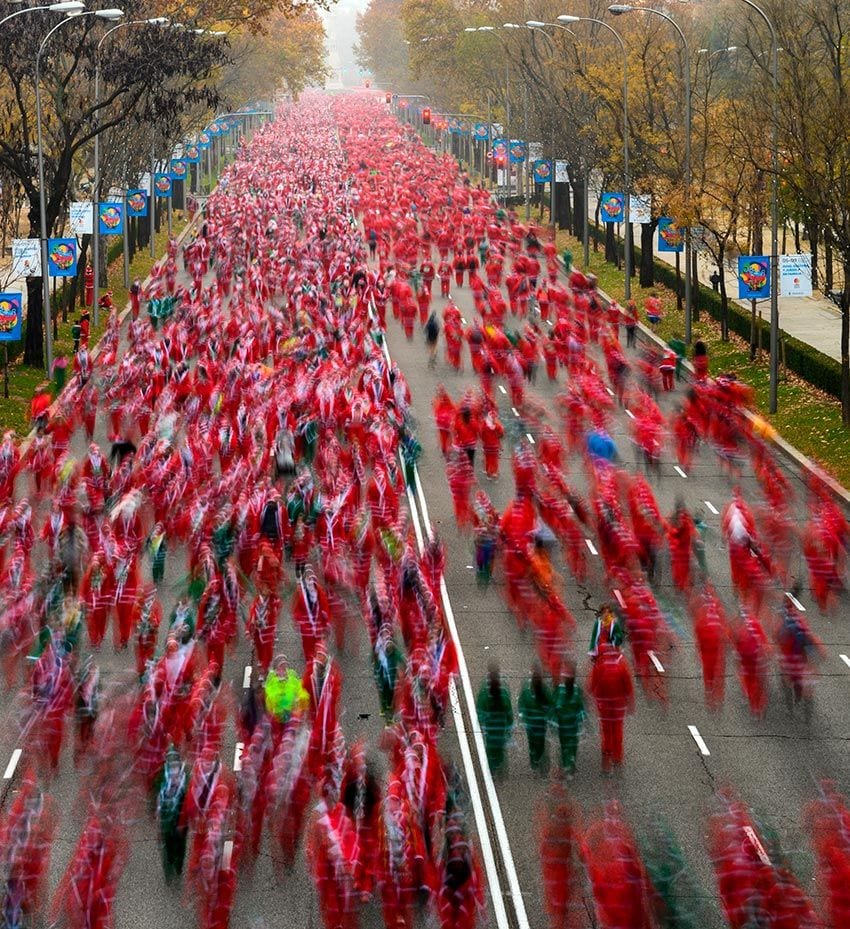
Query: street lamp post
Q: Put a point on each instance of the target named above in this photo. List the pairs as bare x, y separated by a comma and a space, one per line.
774, 212
156, 21
618, 9
537, 25
47, 312
566, 18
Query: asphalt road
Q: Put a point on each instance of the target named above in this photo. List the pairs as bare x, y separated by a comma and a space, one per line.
775, 763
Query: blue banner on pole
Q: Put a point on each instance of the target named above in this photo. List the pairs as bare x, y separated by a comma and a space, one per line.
500, 148
753, 277
204, 140
178, 169
482, 131
162, 184
671, 236
517, 151
612, 207
542, 171
137, 203
10, 317
62, 257
110, 218
192, 152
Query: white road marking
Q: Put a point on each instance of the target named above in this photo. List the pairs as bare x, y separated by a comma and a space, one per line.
227, 855
9, 773
470, 567
679, 471
246, 677
795, 601
514, 890
591, 546
611, 392
630, 414
237, 756
493, 879
845, 659
514, 411
463, 320
530, 437
502, 388
620, 599
712, 508
658, 666
750, 833
699, 740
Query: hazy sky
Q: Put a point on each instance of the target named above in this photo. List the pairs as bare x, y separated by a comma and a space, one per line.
340, 24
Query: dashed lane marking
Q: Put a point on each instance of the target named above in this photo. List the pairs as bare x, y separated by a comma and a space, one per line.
9, 773
699, 740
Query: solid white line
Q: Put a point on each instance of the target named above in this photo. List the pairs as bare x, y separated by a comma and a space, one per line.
630, 414
611, 392
845, 659
246, 677
658, 666
591, 546
795, 601
514, 410
679, 471
472, 784
530, 437
699, 740
13, 763
620, 599
749, 832
237, 756
227, 855
712, 508
502, 388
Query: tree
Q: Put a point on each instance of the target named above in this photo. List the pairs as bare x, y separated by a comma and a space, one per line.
149, 76
381, 49
293, 49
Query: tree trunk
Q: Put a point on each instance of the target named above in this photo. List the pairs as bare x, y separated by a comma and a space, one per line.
813, 243
724, 298
695, 289
34, 331
578, 208
611, 251
678, 282
647, 263
827, 257
596, 226
845, 345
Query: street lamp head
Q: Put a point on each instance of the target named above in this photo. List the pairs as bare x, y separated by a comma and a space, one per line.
567, 18
470, 29
157, 21
534, 24
511, 26
486, 29
111, 15
67, 6
617, 9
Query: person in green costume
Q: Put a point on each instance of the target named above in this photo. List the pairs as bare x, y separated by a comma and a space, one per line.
171, 794
496, 717
283, 691
535, 708
568, 715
